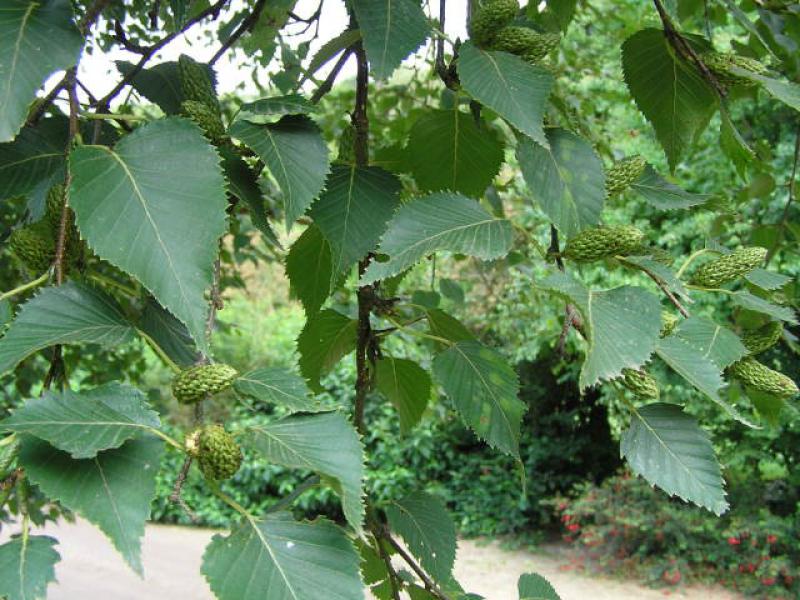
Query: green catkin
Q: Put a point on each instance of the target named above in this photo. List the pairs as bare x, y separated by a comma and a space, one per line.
729, 267
623, 173
760, 377
601, 242
641, 383
217, 453
758, 340
487, 22
722, 65
195, 383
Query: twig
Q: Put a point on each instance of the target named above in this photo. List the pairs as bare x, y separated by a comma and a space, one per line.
430, 585
393, 577
447, 74
571, 315
661, 284
327, 85
246, 25
685, 49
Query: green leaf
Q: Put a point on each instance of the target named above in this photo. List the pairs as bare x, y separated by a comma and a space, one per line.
662, 272
662, 194
442, 221
669, 91
85, 423
751, 302
291, 104
28, 566
446, 326
243, 183
514, 89
36, 39
277, 385
161, 84
406, 385
733, 144
325, 443
668, 448
566, 178
296, 155
282, 559
785, 91
353, 210
112, 490
392, 29
309, 269
428, 531
326, 338
713, 341
533, 586
156, 213
767, 280
331, 48
36, 155
483, 388
449, 151
69, 314
169, 333
622, 325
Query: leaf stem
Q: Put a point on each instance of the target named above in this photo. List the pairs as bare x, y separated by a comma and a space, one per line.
159, 351
112, 117
102, 279
214, 486
299, 490
26, 286
167, 438
705, 289
690, 260
420, 334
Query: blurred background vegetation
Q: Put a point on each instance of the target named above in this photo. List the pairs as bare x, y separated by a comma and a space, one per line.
574, 485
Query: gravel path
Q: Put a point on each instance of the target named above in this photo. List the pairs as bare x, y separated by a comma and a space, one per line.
91, 570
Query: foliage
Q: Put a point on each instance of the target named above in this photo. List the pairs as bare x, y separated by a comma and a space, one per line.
625, 527
174, 211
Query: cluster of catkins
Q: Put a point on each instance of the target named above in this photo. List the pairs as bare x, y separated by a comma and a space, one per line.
491, 28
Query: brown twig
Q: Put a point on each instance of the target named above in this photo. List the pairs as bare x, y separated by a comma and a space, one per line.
327, 85
448, 75
246, 25
430, 584
176, 496
387, 560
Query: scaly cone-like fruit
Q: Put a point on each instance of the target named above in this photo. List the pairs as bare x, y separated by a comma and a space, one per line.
758, 340
54, 205
193, 384
525, 42
34, 246
206, 118
347, 145
196, 83
217, 453
729, 267
490, 19
601, 242
641, 383
722, 65
624, 172
668, 323
760, 377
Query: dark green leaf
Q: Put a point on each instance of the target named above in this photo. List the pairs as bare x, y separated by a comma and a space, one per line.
662, 194
667, 447
309, 269
442, 221
161, 84
767, 280
566, 178
449, 151
713, 341
331, 48
447, 326
407, 385
514, 89
169, 333
277, 385
85, 423
164, 216
326, 338
532, 586
662, 272
292, 104
483, 388
751, 302
36, 155
112, 490
28, 567
69, 314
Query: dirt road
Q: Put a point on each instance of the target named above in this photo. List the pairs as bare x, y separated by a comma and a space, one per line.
90, 569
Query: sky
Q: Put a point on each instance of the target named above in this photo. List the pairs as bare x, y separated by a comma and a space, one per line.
99, 73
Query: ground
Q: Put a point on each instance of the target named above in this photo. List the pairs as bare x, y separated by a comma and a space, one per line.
91, 569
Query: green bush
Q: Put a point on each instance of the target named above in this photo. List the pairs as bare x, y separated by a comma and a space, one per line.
625, 527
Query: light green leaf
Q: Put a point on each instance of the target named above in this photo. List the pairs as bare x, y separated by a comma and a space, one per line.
392, 29
353, 210
309, 269
669, 91
35, 156
277, 385
156, 213
566, 179
668, 448
428, 531
282, 559
169, 333
533, 586
326, 338
483, 388
622, 325
442, 221
36, 40
449, 151
296, 155
112, 490
85, 423
752, 302
69, 314
767, 280
713, 341
511, 87
406, 385
28, 567
664, 195
324, 443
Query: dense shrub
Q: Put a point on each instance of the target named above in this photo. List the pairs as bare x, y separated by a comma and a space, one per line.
625, 527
